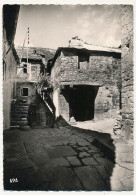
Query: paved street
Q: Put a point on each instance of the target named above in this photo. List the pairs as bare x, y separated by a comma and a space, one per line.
103, 125
62, 158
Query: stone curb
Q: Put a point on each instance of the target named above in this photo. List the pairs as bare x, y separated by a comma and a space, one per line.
109, 151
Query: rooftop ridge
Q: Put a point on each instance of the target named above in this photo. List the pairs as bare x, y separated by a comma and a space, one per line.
101, 45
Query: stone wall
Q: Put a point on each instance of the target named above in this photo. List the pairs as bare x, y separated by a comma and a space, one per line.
31, 92
33, 71
104, 70
107, 102
9, 85
38, 112
127, 69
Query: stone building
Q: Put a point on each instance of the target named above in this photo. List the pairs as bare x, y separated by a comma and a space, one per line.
28, 73
127, 70
10, 60
30, 108
86, 81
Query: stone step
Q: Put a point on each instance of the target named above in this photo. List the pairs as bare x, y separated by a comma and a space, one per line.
19, 114
18, 107
24, 106
25, 128
37, 127
14, 117
14, 127
22, 123
22, 112
17, 120
22, 109
23, 115
23, 101
13, 112
13, 123
23, 119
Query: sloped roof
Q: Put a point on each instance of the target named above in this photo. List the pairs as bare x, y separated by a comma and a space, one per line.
35, 53
31, 53
10, 18
76, 42
101, 48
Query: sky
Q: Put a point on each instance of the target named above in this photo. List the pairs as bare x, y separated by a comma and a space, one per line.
52, 26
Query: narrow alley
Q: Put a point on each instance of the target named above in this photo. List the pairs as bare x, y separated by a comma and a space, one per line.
68, 97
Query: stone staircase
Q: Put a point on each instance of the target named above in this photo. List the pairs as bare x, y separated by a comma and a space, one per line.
19, 113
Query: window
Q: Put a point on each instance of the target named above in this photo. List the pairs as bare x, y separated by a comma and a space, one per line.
25, 68
25, 92
83, 62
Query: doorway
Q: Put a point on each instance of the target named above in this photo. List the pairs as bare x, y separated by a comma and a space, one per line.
81, 100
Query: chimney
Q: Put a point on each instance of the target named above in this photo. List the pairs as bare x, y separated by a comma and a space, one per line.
76, 42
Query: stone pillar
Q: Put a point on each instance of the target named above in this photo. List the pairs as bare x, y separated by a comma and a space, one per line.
127, 70
56, 101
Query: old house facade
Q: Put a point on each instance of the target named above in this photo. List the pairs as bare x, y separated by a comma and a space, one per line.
10, 60
30, 108
86, 81
28, 73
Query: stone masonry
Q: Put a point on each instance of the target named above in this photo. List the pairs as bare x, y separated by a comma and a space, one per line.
102, 69
107, 67
10, 60
127, 70
33, 71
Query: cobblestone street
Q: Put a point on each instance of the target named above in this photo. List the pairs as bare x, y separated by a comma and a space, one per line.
62, 158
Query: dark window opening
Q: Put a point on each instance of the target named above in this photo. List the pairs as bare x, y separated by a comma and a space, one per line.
127, 45
25, 92
83, 62
120, 102
34, 51
25, 68
4, 71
